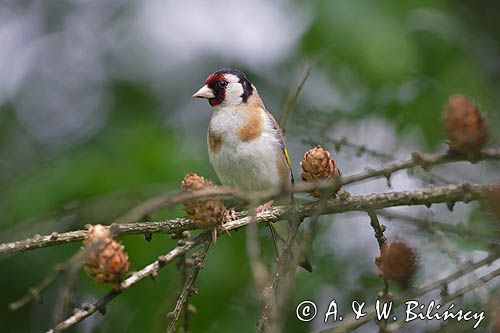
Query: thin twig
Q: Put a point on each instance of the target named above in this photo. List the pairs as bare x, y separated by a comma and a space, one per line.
350, 322
436, 228
377, 228
149, 270
455, 254
187, 289
182, 264
459, 229
477, 283
381, 239
259, 270
35, 292
304, 250
271, 312
359, 148
65, 294
294, 93
424, 161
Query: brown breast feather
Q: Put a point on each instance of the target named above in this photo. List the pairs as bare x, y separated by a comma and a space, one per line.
214, 141
254, 124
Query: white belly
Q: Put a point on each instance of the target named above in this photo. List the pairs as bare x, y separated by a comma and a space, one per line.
251, 165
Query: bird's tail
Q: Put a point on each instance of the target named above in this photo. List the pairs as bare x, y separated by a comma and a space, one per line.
279, 232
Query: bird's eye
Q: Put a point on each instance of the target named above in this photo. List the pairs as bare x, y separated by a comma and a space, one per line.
223, 84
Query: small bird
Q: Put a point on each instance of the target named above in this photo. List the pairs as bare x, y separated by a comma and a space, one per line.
245, 143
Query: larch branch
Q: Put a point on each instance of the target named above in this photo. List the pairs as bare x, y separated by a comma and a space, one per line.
432, 195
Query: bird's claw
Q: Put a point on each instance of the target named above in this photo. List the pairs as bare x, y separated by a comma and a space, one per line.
230, 215
262, 208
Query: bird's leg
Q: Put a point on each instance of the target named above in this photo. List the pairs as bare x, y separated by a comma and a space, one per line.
262, 208
230, 215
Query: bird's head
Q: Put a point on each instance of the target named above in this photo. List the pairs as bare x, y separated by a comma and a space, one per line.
226, 87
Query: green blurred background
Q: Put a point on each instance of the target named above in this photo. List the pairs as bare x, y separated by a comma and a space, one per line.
96, 115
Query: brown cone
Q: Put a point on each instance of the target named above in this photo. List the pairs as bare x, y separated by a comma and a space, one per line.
96, 233
317, 165
105, 259
466, 128
206, 213
398, 262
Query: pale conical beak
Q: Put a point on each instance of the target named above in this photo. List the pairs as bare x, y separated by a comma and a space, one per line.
204, 92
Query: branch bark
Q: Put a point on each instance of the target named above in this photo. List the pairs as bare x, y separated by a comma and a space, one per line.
432, 195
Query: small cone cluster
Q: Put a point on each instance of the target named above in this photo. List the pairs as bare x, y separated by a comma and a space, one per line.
318, 165
466, 128
398, 262
206, 213
105, 259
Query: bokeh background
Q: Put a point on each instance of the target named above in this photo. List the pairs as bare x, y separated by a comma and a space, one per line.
96, 115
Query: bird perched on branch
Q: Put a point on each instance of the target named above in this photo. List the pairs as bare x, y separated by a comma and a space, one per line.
245, 143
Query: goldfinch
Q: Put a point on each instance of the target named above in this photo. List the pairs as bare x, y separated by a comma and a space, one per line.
245, 143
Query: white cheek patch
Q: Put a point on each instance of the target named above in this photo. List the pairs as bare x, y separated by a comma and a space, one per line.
234, 90
231, 78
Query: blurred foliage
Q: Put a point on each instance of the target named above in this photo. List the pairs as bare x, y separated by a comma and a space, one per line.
405, 57
394, 60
